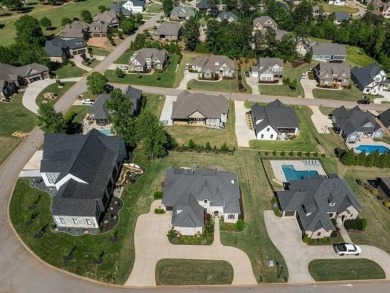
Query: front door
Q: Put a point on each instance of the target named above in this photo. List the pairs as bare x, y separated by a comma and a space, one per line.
216, 214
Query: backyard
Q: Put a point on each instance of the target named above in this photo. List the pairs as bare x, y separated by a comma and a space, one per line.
345, 269
333, 8
119, 256
169, 78
357, 57
193, 272
154, 104
202, 135
352, 94
54, 13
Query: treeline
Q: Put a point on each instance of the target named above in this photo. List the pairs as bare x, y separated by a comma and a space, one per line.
374, 159
143, 41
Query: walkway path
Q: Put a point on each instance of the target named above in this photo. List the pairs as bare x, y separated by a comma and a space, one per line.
78, 61
33, 90
243, 133
343, 232
151, 245
286, 236
321, 122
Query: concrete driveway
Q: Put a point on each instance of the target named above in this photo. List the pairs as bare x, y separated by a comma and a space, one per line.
286, 236
32, 91
151, 245
186, 78
386, 97
321, 122
253, 82
243, 133
166, 112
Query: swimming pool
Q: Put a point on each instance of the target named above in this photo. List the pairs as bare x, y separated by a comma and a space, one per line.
368, 149
291, 174
106, 131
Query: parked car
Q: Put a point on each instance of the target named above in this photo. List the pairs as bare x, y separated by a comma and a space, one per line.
88, 102
365, 100
347, 248
247, 74
123, 67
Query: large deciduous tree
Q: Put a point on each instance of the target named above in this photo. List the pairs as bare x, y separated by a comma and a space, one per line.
28, 31
191, 34
167, 6
12, 4
86, 16
49, 120
45, 22
96, 83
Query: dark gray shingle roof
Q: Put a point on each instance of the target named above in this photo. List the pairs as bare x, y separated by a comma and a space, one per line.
227, 15
187, 212
55, 47
365, 75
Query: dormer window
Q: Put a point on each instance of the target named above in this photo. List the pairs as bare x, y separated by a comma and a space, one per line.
205, 201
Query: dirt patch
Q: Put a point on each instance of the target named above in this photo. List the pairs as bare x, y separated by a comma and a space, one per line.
297, 64
100, 43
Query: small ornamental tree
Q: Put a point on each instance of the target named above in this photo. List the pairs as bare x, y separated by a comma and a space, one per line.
45, 22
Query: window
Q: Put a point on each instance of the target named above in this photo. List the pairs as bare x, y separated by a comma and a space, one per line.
205, 201
231, 216
272, 136
75, 221
62, 220
319, 234
268, 128
89, 222
262, 136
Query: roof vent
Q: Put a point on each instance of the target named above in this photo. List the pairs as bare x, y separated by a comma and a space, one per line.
233, 181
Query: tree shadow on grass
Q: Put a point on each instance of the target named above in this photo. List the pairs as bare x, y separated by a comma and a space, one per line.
52, 28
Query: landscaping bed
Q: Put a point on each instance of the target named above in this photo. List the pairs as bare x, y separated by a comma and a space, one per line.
345, 269
193, 272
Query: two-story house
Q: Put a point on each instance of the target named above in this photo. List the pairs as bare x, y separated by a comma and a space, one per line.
76, 30
354, 124
332, 74
274, 121
135, 6
108, 17
328, 52
200, 110
190, 194
268, 69
60, 50
146, 59
167, 31
213, 67
82, 171
370, 79
315, 201
180, 13
263, 23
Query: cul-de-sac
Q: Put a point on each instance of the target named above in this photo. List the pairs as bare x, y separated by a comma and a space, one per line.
195, 146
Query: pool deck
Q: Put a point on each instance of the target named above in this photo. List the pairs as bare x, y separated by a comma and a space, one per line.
299, 165
366, 141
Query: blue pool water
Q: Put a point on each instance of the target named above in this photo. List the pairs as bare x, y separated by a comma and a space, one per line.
291, 174
368, 149
105, 131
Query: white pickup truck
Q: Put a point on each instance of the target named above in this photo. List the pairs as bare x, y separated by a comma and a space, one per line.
347, 248
88, 102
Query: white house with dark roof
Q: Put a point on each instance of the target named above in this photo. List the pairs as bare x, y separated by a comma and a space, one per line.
213, 66
384, 117
146, 59
82, 169
328, 52
180, 13
315, 201
135, 6
370, 79
354, 124
340, 16
337, 2
189, 194
268, 69
200, 110
118, 8
274, 121
227, 15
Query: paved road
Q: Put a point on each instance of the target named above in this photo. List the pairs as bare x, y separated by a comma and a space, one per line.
150, 232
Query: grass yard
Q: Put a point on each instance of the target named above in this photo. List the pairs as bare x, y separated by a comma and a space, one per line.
352, 94
164, 79
202, 135
91, 63
119, 256
357, 56
333, 8
326, 110
154, 104
153, 8
225, 85
124, 58
345, 269
278, 90
193, 272
99, 51
53, 88
81, 111
69, 70
54, 13
304, 142
8, 144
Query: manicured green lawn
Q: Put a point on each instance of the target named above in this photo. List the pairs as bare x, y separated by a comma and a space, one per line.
357, 56
8, 144
91, 63
333, 8
153, 8
193, 272
154, 104
124, 58
99, 51
304, 142
226, 85
69, 70
163, 79
53, 88
352, 94
119, 256
54, 13
202, 135
326, 110
345, 269
278, 90
81, 111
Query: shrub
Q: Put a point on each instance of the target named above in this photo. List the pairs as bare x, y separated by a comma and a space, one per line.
274, 153
240, 225
307, 154
282, 153
158, 195
315, 154
291, 153
299, 154
224, 147
359, 181
266, 153
380, 197
374, 191
356, 224
159, 211
387, 204
333, 234
191, 144
306, 239
322, 155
